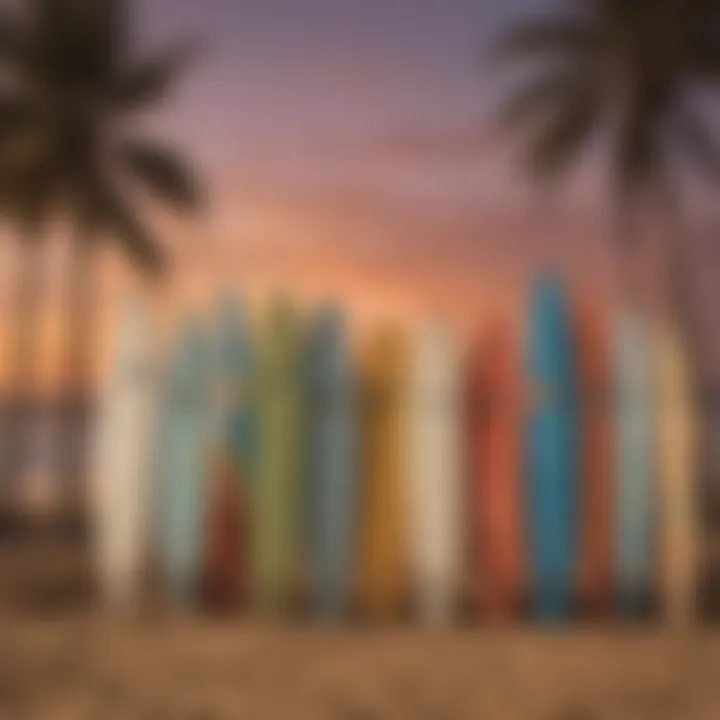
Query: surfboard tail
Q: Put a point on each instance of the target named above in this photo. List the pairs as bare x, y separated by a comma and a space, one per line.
552, 602
224, 542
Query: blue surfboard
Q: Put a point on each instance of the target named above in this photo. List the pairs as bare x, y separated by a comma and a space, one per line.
332, 463
552, 453
633, 547
183, 462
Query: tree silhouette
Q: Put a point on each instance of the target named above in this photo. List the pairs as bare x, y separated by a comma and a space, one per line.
632, 77
73, 75
628, 74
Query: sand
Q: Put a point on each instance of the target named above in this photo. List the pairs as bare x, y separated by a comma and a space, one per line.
62, 658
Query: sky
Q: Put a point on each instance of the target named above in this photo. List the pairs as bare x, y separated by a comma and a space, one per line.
348, 151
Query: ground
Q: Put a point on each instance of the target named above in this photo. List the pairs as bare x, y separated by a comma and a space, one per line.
64, 659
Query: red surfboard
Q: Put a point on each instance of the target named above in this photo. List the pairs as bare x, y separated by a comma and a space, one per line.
595, 568
494, 464
225, 546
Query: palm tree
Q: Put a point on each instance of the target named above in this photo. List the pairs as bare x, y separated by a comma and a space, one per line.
630, 76
71, 65
21, 201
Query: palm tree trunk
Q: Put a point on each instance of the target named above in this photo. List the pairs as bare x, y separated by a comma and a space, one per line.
19, 402
74, 408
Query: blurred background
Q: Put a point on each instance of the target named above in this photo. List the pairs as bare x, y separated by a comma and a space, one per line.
410, 158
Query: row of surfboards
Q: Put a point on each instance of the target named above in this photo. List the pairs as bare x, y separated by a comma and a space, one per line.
541, 476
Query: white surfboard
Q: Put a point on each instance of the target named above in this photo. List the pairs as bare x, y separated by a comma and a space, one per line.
434, 475
677, 448
123, 462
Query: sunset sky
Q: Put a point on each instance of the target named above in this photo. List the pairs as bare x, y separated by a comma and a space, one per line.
349, 148
348, 151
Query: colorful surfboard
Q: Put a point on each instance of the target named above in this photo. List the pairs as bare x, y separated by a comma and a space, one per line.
277, 508
331, 485
384, 541
124, 454
224, 536
226, 561
183, 461
237, 397
433, 490
595, 563
552, 453
634, 550
677, 453
495, 499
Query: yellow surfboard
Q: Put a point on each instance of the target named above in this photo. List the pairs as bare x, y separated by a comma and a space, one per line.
383, 561
677, 448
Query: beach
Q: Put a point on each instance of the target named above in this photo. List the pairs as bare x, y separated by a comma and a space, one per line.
63, 657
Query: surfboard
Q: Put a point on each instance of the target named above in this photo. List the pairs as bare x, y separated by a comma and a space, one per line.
224, 536
332, 464
226, 562
384, 539
552, 453
634, 549
678, 464
123, 463
183, 461
495, 498
433, 491
595, 563
237, 397
277, 509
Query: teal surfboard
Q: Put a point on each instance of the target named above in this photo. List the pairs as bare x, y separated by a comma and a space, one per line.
234, 401
230, 461
634, 552
330, 489
552, 453
276, 504
182, 462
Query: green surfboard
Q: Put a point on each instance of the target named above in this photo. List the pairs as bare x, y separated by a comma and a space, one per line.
277, 508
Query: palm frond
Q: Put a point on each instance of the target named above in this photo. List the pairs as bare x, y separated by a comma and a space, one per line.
545, 36
163, 171
702, 31
705, 60
150, 81
76, 44
637, 151
15, 115
28, 183
105, 37
55, 29
696, 142
11, 36
534, 100
117, 216
562, 136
